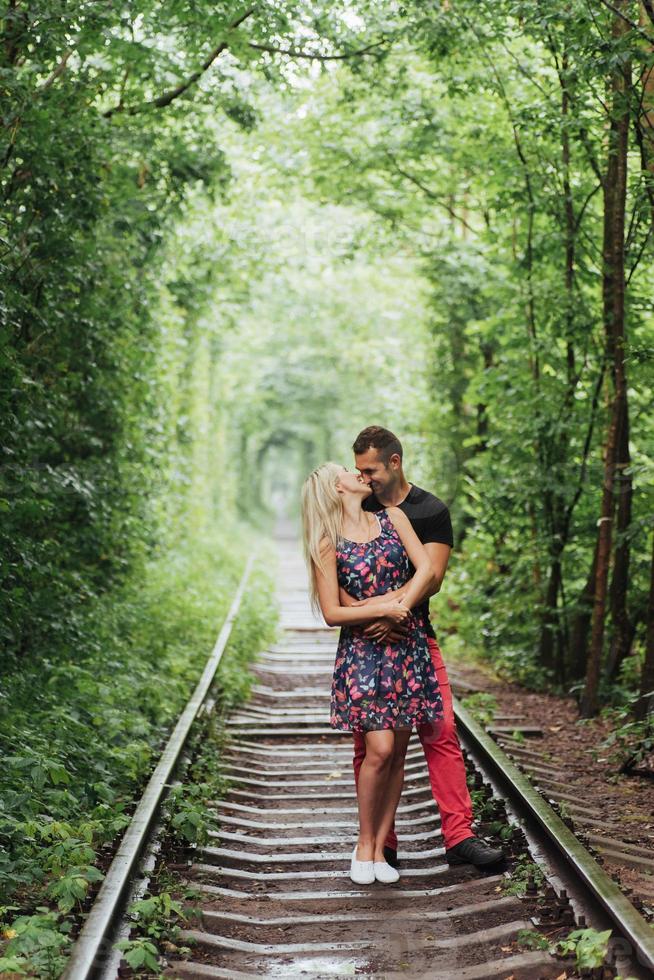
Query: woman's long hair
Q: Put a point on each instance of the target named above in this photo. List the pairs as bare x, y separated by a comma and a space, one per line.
322, 518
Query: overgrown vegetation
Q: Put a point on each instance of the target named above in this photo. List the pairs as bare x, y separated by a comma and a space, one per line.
588, 946
482, 706
485, 275
532, 220
523, 871
630, 743
93, 728
157, 919
189, 816
232, 238
531, 939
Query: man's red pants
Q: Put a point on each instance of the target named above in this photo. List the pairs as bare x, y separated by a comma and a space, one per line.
447, 773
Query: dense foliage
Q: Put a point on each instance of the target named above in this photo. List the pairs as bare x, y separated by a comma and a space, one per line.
232, 237
489, 140
81, 735
111, 119
511, 154
119, 547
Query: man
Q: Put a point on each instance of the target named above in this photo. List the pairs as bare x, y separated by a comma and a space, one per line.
378, 458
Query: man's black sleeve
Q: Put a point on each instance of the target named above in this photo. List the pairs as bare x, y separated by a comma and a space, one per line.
438, 527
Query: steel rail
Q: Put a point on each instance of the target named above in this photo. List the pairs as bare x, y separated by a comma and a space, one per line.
95, 935
519, 791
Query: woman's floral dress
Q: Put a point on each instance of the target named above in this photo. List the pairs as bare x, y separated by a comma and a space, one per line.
379, 685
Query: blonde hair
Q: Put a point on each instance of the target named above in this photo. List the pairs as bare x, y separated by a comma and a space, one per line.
322, 517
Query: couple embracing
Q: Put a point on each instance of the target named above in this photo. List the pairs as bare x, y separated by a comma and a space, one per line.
377, 548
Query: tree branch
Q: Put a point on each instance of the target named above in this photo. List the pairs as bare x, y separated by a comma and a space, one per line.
641, 252
644, 163
586, 450
582, 210
580, 130
166, 98
432, 195
592, 160
59, 70
627, 20
294, 53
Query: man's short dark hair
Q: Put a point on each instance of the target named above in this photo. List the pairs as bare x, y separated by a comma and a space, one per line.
383, 440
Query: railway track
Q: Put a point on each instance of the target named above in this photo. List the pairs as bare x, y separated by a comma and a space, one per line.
273, 882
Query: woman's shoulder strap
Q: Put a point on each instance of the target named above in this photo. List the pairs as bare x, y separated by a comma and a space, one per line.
384, 520
388, 522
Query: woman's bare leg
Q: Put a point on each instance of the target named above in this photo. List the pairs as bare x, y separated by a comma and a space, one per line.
372, 787
390, 799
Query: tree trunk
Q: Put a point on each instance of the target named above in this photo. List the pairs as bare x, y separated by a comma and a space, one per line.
623, 631
645, 121
551, 652
580, 625
482, 409
646, 701
558, 635
590, 696
613, 287
550, 648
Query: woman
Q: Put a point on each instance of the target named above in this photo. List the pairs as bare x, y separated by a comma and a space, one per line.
379, 688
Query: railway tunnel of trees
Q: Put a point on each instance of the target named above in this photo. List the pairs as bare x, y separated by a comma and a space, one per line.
234, 235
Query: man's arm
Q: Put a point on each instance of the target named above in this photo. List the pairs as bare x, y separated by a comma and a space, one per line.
439, 556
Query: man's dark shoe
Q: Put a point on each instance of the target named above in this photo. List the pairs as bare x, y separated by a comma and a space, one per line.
390, 853
472, 850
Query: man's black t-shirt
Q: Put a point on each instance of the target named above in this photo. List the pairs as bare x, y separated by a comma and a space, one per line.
430, 519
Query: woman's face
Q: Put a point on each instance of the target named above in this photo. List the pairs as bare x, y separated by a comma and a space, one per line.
348, 482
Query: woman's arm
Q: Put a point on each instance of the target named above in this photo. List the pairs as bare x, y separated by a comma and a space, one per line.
423, 579
337, 615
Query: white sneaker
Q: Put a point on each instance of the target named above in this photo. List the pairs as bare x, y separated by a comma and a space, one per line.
384, 872
361, 872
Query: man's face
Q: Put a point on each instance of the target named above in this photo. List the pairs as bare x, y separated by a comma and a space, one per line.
377, 474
